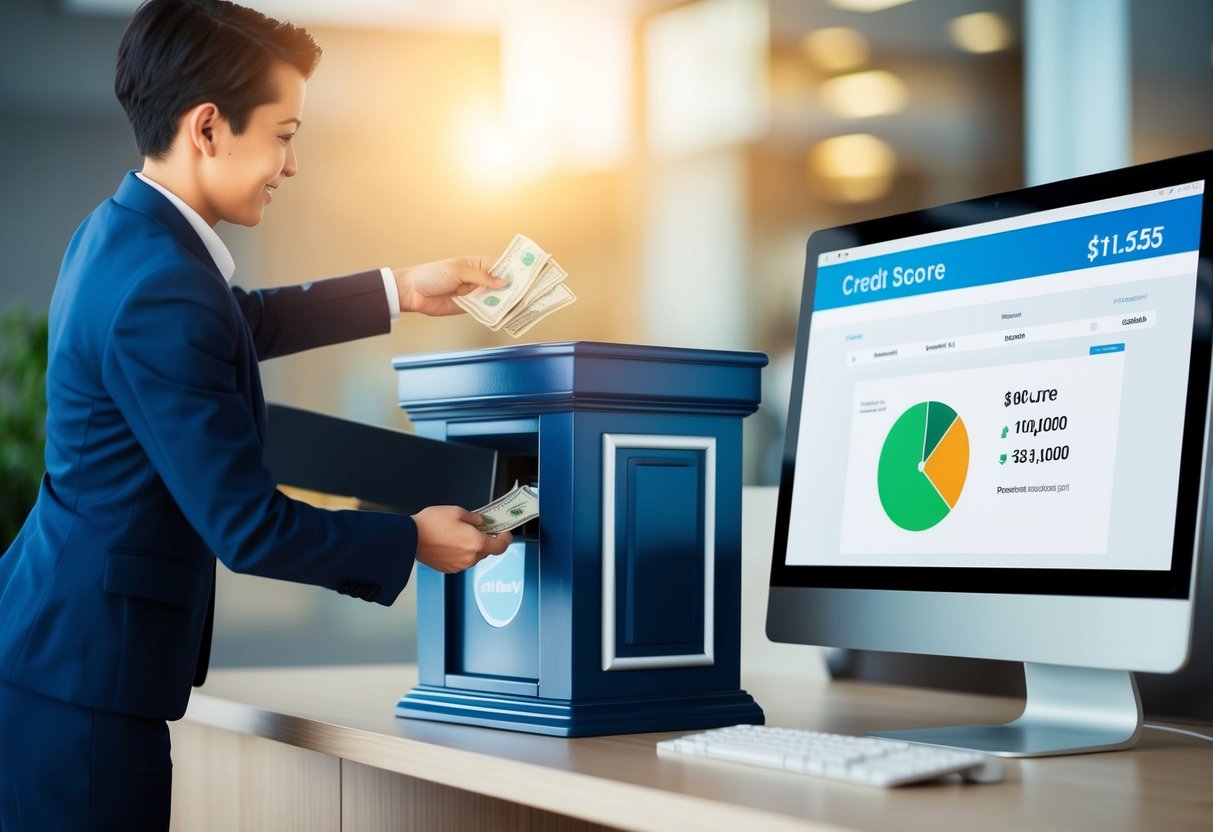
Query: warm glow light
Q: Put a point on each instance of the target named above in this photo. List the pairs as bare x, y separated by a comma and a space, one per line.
706, 75
854, 168
493, 155
836, 48
566, 71
864, 94
565, 101
866, 5
980, 32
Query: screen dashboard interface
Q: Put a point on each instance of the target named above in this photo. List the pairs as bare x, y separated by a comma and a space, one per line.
1009, 394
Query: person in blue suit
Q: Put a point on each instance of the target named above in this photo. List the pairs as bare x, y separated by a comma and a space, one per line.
155, 428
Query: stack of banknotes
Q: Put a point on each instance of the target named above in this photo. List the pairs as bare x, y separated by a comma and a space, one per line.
535, 289
520, 505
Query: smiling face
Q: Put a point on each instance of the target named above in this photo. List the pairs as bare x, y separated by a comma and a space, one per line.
239, 180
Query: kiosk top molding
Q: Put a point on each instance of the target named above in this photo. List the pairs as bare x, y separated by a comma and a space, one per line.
578, 375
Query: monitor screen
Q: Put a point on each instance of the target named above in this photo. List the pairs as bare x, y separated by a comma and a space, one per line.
997, 444
1006, 395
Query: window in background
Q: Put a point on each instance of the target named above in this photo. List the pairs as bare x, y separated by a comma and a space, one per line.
915, 104
873, 113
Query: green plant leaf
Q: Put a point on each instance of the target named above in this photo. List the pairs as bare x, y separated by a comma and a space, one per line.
23, 360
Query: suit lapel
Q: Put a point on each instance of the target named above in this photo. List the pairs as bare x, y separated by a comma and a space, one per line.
139, 196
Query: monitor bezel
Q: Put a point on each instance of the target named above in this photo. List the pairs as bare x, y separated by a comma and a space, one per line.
1173, 583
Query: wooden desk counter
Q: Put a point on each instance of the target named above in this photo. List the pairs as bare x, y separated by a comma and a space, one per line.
340, 759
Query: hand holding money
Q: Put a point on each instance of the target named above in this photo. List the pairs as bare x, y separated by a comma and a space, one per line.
449, 541
534, 289
509, 511
431, 288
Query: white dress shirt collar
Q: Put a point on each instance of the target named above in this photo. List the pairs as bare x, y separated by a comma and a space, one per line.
214, 245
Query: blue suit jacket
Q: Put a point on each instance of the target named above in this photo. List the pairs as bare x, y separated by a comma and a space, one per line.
155, 423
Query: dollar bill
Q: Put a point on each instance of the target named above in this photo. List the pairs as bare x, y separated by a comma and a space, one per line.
531, 295
510, 510
520, 265
557, 297
551, 274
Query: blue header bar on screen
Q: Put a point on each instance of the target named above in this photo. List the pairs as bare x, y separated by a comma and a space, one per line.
1154, 230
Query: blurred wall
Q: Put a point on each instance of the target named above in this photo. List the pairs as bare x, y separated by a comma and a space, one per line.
64, 141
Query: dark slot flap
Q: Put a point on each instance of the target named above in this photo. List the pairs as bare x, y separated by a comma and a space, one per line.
391, 468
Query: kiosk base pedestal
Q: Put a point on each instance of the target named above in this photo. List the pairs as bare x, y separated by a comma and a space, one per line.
562, 718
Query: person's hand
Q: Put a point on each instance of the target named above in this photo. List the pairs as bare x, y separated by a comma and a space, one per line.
448, 539
431, 287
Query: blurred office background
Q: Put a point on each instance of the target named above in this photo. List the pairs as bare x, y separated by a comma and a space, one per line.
675, 156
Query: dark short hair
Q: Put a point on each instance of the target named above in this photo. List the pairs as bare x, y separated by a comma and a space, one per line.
177, 54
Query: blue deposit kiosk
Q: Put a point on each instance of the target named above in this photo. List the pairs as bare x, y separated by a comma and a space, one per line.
618, 610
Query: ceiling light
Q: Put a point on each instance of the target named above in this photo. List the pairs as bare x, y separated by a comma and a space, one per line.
854, 168
864, 94
980, 32
836, 48
866, 5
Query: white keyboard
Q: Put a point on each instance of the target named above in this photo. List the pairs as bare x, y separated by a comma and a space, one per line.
872, 761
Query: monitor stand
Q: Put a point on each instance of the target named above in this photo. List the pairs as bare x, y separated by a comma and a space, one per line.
1069, 710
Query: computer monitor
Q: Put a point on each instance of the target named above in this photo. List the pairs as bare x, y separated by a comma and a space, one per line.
997, 444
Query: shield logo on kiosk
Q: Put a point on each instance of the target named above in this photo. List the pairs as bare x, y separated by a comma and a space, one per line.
498, 582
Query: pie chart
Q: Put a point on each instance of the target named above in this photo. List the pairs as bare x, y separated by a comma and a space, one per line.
923, 465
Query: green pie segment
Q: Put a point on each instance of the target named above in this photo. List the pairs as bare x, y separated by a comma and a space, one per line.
938, 419
907, 494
